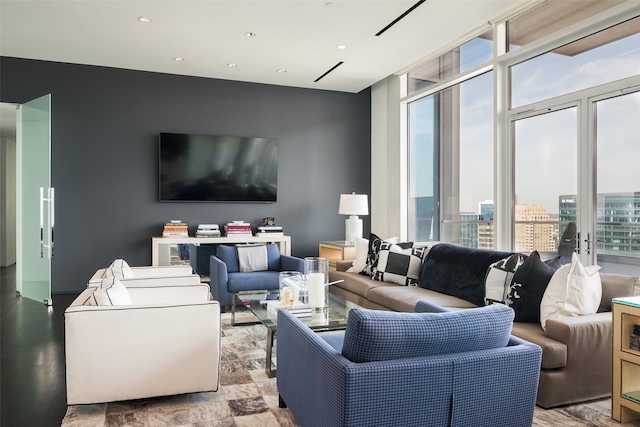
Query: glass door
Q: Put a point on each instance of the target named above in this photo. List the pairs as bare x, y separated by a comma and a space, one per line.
546, 187
35, 200
616, 241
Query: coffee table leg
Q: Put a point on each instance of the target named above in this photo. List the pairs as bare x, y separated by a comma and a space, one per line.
271, 335
233, 309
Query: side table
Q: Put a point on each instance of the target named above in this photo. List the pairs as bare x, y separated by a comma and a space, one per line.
337, 250
625, 396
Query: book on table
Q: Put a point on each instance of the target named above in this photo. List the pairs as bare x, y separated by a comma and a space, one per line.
298, 309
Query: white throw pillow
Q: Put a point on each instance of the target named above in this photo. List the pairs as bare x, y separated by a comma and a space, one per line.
574, 290
120, 269
362, 250
116, 294
111, 291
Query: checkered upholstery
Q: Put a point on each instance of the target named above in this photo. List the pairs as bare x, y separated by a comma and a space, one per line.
321, 387
374, 335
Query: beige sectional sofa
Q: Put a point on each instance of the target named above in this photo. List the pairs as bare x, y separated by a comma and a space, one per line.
576, 359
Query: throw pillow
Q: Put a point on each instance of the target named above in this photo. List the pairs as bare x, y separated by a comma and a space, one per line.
372, 253
574, 290
362, 251
527, 288
111, 291
398, 265
252, 258
120, 269
497, 282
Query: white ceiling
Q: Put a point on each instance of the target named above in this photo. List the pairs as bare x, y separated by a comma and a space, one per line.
300, 36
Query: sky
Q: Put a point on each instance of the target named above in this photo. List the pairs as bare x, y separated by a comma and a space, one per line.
547, 145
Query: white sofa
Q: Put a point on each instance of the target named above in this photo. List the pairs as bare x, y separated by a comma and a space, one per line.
166, 343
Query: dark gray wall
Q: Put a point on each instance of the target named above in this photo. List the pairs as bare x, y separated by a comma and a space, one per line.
105, 125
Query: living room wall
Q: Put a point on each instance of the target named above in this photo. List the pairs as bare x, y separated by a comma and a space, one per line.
105, 126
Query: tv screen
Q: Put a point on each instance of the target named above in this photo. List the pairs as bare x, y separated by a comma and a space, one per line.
211, 168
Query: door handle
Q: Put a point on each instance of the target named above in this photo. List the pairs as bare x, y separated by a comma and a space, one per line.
52, 209
41, 222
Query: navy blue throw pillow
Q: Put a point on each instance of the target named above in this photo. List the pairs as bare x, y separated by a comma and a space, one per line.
527, 288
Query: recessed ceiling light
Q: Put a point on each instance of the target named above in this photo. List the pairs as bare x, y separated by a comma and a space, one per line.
328, 4
250, 34
144, 19
232, 65
178, 59
282, 70
342, 46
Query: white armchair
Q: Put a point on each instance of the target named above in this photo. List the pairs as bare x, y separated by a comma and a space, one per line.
167, 342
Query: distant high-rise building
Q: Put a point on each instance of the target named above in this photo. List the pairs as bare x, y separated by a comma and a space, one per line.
618, 221
534, 229
469, 232
485, 228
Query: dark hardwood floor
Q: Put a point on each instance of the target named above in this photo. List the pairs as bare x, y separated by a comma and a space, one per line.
32, 357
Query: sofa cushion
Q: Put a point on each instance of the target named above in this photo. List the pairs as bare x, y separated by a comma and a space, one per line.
373, 335
355, 283
554, 353
498, 279
398, 265
527, 288
261, 280
405, 298
458, 271
574, 290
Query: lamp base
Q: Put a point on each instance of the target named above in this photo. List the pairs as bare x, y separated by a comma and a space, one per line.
353, 228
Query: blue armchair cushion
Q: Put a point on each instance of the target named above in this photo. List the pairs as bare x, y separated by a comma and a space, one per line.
229, 255
258, 280
373, 335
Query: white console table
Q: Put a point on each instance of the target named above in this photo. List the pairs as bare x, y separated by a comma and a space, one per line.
284, 244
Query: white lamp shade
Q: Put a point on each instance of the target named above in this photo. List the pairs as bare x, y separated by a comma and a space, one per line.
353, 204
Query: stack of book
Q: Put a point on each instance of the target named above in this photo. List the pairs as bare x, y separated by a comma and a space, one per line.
299, 309
238, 229
269, 230
175, 228
208, 230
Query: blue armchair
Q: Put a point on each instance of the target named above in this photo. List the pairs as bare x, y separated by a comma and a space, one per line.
431, 369
226, 277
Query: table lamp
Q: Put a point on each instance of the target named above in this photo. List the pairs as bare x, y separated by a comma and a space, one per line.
353, 205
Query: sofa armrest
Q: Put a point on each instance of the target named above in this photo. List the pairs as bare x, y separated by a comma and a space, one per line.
343, 265
588, 340
192, 279
290, 263
149, 272
424, 306
129, 352
219, 278
170, 294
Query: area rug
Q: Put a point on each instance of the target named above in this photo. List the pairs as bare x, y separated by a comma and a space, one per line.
248, 398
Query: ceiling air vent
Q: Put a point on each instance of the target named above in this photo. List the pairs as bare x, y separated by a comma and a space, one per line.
332, 68
395, 21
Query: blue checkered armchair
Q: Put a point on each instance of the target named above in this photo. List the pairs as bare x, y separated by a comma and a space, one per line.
429, 368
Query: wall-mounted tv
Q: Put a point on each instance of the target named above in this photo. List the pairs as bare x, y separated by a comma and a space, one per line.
212, 168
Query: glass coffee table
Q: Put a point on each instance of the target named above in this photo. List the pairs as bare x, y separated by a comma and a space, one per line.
334, 319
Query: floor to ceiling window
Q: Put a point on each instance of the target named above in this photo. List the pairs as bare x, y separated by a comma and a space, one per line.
569, 115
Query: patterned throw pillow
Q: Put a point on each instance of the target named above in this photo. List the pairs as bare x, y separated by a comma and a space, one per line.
398, 264
111, 291
372, 255
497, 282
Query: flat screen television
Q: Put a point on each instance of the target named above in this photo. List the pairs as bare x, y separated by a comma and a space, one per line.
213, 168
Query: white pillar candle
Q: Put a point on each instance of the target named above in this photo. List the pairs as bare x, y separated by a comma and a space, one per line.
316, 289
